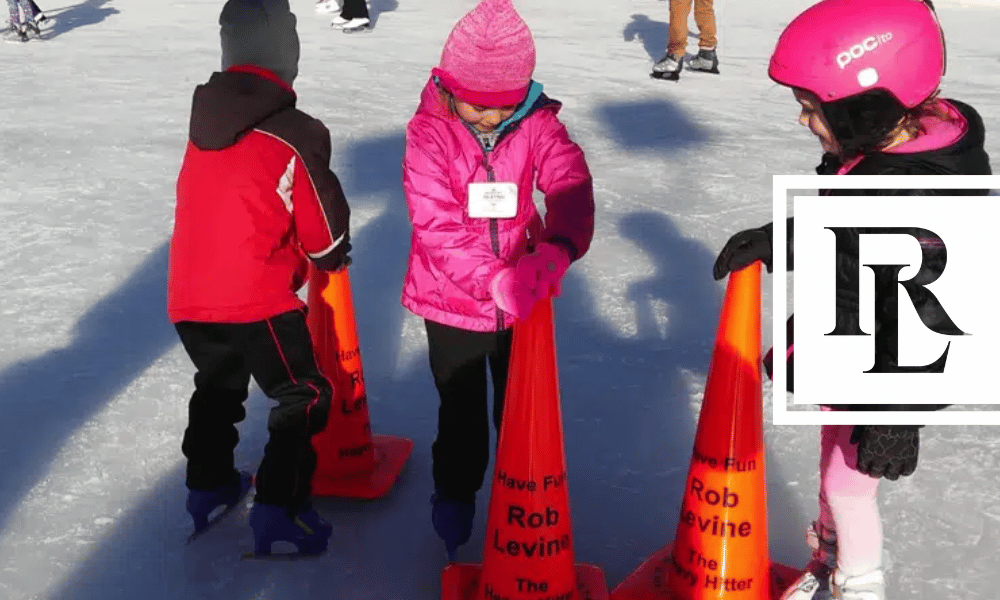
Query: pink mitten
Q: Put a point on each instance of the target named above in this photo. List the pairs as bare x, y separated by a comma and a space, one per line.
546, 266
511, 293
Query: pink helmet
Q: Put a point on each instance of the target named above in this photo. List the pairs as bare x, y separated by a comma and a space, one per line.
839, 48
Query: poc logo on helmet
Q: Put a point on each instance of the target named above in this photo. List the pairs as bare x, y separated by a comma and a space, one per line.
858, 50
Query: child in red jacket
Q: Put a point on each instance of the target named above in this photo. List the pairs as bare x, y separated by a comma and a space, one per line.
255, 200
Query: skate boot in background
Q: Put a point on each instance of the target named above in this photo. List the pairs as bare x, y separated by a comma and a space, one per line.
669, 67
452, 521
15, 33
356, 25
814, 583
201, 503
305, 529
706, 61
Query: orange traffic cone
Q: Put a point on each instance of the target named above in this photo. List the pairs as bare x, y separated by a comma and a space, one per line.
351, 462
720, 548
528, 551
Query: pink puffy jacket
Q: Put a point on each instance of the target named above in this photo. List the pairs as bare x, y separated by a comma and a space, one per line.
454, 257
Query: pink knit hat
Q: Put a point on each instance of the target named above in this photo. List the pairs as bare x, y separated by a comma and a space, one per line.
489, 56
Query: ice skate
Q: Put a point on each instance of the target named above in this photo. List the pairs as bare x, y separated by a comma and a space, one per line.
306, 530
669, 68
870, 586
201, 503
814, 583
16, 33
706, 61
452, 521
338, 22
357, 25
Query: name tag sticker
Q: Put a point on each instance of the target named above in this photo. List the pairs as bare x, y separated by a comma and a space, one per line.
492, 200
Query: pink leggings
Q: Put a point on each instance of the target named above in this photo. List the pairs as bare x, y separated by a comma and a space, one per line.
847, 503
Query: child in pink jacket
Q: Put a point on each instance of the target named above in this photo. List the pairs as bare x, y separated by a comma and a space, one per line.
874, 113
483, 138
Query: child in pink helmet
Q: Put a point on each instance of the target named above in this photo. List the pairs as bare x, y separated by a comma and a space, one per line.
483, 138
866, 74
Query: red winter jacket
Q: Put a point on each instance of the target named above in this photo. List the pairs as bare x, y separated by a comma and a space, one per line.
255, 198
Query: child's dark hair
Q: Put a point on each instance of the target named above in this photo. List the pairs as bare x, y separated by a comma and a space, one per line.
871, 121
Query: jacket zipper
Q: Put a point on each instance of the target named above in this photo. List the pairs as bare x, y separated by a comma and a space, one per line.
494, 228
494, 224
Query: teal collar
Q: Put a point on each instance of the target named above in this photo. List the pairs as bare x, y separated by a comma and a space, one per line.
534, 91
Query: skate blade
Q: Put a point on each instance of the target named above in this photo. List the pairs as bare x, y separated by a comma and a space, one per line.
716, 71
197, 534
280, 556
667, 76
212, 523
362, 29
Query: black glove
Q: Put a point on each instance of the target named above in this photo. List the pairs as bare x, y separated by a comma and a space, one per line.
887, 450
346, 262
742, 249
336, 260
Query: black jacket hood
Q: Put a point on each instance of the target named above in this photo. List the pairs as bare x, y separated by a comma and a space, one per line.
231, 104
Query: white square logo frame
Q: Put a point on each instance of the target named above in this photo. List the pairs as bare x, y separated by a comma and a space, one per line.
830, 369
